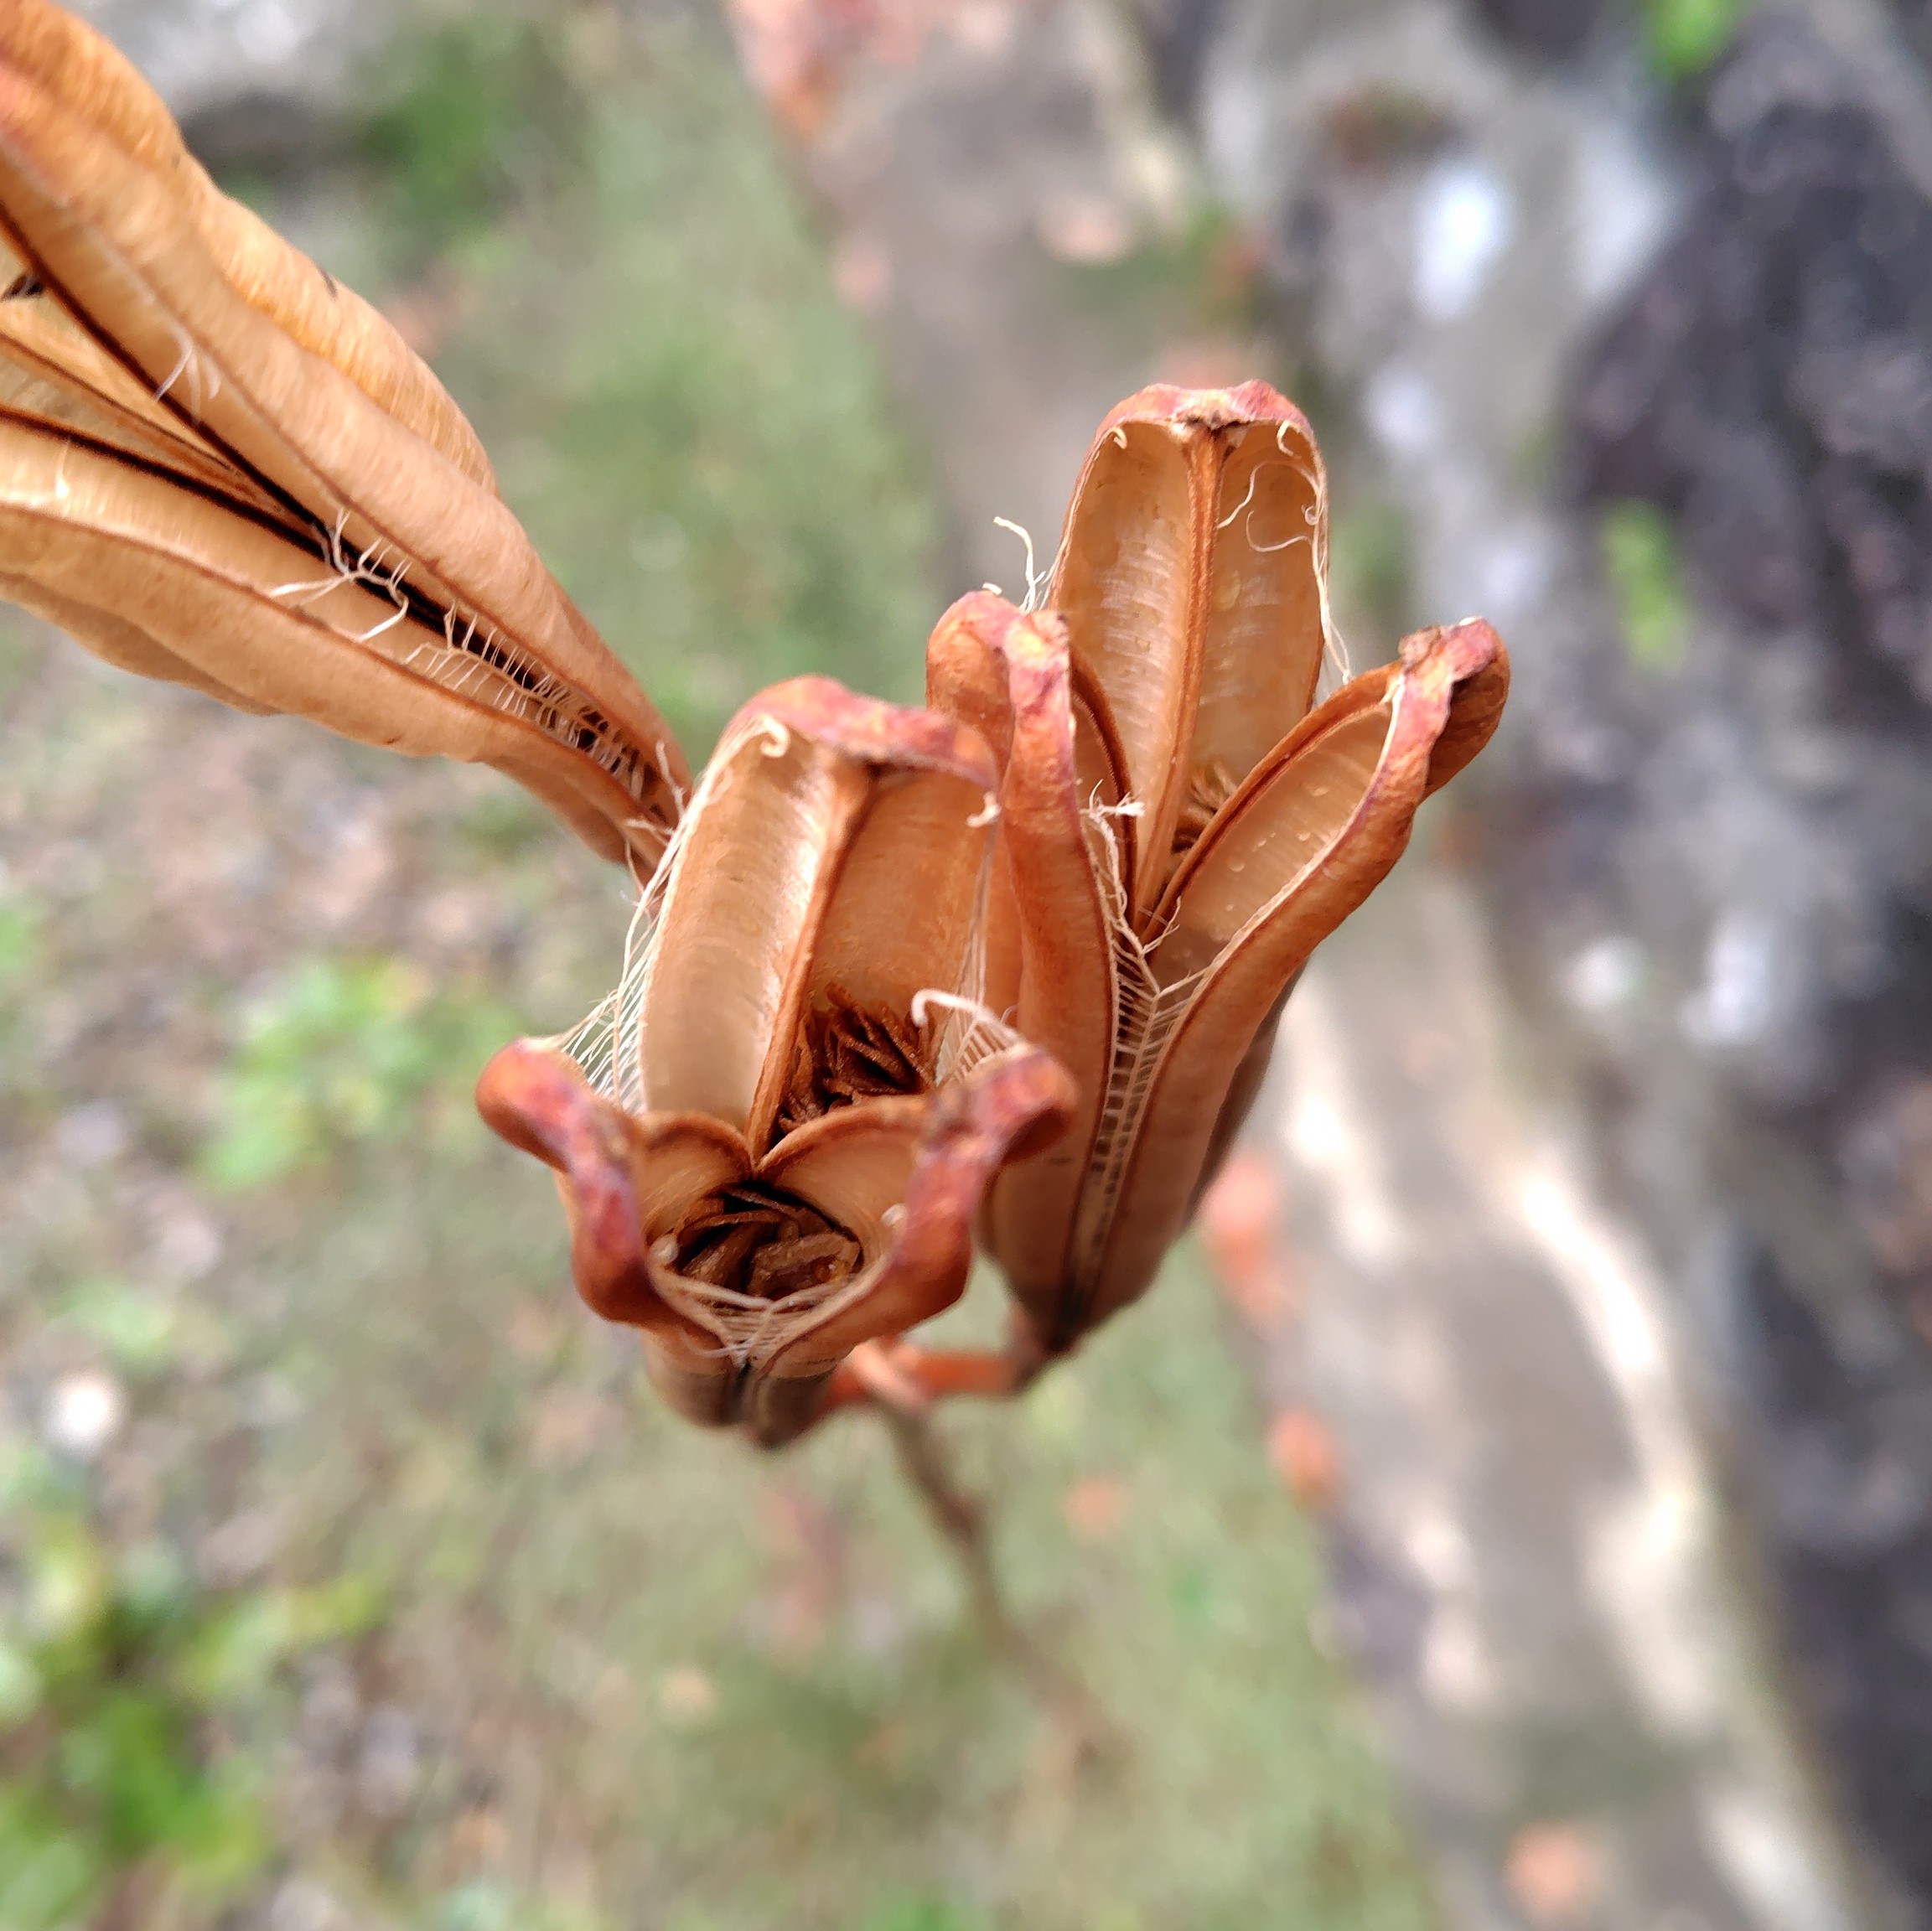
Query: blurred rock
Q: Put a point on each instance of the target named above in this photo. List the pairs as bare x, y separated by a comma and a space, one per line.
1887, 1155
302, 1904
1549, 27
227, 61
85, 1411
388, 1765
91, 1135
1768, 386
242, 1546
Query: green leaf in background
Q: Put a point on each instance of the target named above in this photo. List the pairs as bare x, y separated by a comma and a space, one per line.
67, 1583
131, 1759
472, 111
920, 1914
19, 936
129, 1756
109, 1675
20, 1687
1641, 564
339, 1051
483, 1905
480, 1906
1683, 37
136, 1329
239, 1649
220, 1839
49, 1872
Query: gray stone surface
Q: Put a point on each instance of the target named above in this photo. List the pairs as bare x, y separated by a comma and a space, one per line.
1525, 1471
201, 55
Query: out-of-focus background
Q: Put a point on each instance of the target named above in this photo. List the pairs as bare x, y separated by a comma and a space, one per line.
1516, 1511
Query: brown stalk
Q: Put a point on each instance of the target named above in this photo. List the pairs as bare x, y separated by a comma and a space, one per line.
960, 1519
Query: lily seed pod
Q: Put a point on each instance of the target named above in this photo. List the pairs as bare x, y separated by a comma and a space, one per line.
1013, 961
775, 1139
1180, 826
220, 467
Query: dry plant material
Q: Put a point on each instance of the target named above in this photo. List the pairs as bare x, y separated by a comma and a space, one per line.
847, 1053
774, 1140
220, 467
1181, 825
1122, 827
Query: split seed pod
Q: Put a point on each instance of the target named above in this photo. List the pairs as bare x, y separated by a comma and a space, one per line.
1179, 827
220, 467
773, 1140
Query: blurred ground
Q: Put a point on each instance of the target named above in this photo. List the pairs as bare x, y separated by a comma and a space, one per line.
347, 1576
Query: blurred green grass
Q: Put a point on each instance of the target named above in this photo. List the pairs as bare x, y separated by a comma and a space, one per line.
753, 1675
339, 1050
649, 1677
648, 341
1646, 576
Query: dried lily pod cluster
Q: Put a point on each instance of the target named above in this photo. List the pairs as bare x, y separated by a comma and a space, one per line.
1006, 968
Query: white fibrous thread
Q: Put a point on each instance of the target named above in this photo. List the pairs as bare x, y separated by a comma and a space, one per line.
1148, 1013
474, 661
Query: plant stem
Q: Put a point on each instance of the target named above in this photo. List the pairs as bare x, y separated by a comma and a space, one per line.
958, 1517
960, 1521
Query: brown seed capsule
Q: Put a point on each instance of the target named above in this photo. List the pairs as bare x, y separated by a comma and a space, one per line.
793, 1104
220, 467
1179, 829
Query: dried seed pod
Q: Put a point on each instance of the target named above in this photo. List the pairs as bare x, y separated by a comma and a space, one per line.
1180, 830
1192, 580
774, 1140
218, 466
